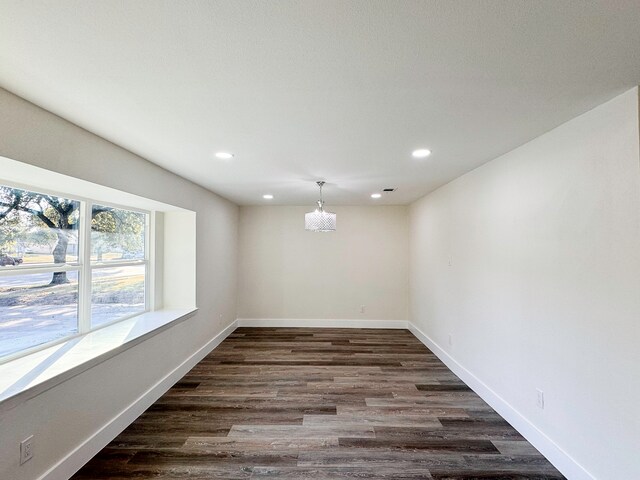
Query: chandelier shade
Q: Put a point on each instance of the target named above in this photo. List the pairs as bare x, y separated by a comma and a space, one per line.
320, 220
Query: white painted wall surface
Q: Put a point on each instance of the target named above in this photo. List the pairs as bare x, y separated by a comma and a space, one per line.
287, 272
64, 417
543, 290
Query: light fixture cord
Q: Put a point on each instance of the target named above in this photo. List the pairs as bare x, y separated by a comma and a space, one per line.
321, 201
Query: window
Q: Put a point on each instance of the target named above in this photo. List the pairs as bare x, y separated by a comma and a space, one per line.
67, 266
118, 263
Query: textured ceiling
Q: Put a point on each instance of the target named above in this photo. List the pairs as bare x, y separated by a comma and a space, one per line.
306, 90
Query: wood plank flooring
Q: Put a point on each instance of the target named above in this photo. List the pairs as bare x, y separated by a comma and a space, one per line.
301, 403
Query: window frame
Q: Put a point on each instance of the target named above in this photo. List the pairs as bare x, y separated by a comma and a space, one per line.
84, 266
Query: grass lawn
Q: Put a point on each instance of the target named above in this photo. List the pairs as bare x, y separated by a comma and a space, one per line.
36, 313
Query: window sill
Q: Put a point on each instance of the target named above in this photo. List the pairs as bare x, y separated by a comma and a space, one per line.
28, 376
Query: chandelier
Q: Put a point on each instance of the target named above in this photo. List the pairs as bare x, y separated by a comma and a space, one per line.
319, 220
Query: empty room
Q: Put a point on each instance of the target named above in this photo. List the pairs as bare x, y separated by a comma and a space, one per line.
320, 239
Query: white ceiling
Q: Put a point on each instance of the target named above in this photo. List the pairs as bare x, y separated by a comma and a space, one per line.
327, 89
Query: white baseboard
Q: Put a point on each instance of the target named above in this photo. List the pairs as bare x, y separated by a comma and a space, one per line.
66, 467
320, 323
558, 457
70, 464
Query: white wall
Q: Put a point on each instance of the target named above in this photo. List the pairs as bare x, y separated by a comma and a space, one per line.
543, 290
287, 272
65, 416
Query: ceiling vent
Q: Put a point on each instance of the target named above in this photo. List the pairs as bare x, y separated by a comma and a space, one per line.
389, 190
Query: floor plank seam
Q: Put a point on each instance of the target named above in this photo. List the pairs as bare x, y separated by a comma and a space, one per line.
324, 404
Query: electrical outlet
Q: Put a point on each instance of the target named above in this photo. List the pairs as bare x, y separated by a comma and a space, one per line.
540, 398
26, 449
362, 308
450, 260
450, 340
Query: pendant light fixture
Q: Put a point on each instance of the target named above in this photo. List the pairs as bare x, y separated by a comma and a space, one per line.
319, 220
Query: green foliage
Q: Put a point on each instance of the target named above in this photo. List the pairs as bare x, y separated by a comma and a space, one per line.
31, 218
39, 236
46, 210
69, 222
118, 230
38, 219
10, 231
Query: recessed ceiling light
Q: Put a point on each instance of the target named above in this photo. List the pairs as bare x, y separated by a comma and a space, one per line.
421, 153
376, 195
267, 196
224, 155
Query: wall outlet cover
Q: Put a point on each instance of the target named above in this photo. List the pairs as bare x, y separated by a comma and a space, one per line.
26, 449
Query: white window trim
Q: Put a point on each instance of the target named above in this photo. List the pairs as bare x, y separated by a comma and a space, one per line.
33, 373
30, 375
84, 320
84, 267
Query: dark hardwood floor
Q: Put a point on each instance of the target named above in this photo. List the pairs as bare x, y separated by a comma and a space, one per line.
301, 403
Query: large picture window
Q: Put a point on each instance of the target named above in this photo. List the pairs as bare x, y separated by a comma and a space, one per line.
67, 266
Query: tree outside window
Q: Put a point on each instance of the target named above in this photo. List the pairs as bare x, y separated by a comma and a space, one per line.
41, 268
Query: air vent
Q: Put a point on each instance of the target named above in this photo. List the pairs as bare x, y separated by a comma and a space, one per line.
389, 190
